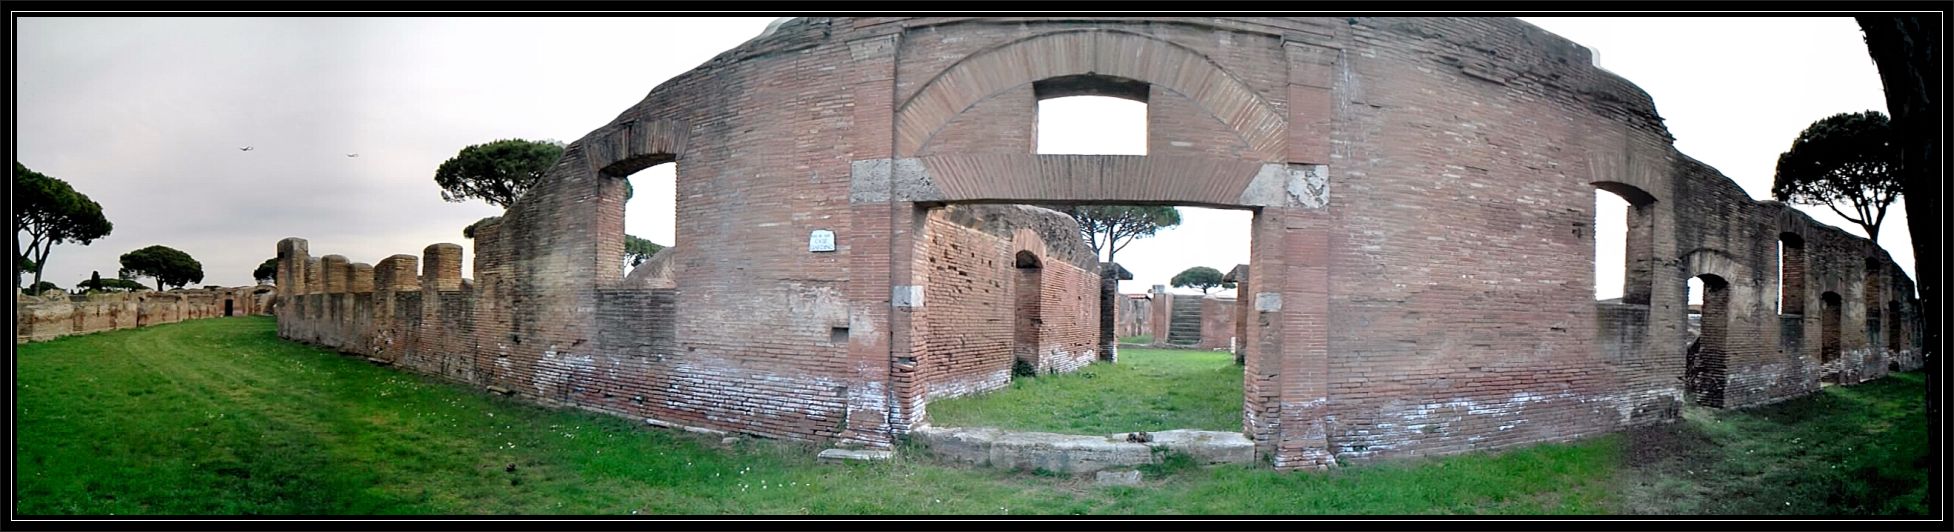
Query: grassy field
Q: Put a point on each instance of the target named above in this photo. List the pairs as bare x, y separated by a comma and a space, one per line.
1857, 450
220, 417
1148, 390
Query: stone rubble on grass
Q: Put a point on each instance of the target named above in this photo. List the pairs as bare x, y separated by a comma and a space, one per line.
1079, 454
1117, 478
837, 455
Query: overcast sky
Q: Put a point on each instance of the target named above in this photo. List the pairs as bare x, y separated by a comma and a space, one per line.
146, 117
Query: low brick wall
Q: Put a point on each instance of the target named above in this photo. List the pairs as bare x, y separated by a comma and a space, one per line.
48, 317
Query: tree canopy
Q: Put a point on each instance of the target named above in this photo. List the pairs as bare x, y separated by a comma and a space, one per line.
36, 288
1201, 277
266, 271
1109, 228
497, 172
1848, 158
114, 285
165, 264
638, 250
50, 212
93, 284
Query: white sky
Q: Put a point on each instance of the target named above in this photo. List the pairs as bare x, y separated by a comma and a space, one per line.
146, 115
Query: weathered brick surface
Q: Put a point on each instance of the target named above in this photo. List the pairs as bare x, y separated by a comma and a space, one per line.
988, 311
1420, 275
1134, 315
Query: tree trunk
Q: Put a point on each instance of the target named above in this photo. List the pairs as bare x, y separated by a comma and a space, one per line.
1907, 52
40, 264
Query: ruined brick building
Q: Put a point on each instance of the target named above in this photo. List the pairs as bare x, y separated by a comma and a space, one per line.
1420, 278
57, 314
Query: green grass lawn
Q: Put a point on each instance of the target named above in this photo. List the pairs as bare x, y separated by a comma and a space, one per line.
1143, 339
1855, 450
219, 416
1148, 390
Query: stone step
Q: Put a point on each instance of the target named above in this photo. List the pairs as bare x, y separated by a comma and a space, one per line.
1078, 454
854, 455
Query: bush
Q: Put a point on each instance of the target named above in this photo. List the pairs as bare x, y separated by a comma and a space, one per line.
1023, 368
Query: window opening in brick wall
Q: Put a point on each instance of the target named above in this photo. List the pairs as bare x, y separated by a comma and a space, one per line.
650, 214
1893, 331
1831, 317
1873, 290
1624, 240
1791, 274
1091, 125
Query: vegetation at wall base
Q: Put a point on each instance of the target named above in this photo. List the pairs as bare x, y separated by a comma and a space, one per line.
219, 416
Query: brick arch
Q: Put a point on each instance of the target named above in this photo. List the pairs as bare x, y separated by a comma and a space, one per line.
628, 146
1114, 53
1026, 240
1706, 363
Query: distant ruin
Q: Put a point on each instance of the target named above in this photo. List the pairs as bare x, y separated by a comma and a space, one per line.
1421, 267
54, 315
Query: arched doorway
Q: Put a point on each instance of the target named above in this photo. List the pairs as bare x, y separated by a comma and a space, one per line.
1028, 294
1831, 317
1706, 360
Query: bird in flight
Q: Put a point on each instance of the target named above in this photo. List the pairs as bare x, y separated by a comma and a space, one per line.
246, 148
352, 155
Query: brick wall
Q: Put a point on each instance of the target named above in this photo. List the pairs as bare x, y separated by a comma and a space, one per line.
45, 318
987, 312
1217, 322
1421, 265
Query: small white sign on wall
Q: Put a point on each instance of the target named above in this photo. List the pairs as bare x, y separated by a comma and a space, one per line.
821, 240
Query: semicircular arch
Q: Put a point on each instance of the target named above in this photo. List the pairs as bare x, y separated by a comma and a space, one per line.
1103, 52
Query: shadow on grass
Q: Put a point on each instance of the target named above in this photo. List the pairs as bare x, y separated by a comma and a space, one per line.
1847, 450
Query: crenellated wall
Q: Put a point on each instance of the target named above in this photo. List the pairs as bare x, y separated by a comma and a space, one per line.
1420, 277
55, 315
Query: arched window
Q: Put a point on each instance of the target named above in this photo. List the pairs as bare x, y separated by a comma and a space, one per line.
1029, 297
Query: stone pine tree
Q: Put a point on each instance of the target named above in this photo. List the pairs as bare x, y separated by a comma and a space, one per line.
94, 282
1848, 159
266, 271
1906, 49
499, 172
1109, 228
166, 265
49, 212
1201, 277
120, 285
37, 288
